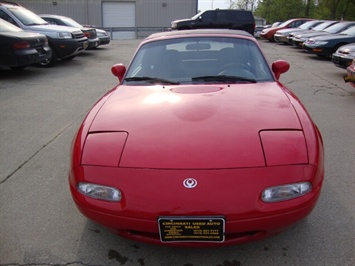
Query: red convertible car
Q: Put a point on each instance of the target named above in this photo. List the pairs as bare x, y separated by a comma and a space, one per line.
198, 145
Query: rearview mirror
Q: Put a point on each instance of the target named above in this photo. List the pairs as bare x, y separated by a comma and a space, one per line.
118, 70
279, 67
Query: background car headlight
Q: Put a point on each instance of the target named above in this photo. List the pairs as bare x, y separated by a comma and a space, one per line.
100, 192
286, 192
321, 42
64, 35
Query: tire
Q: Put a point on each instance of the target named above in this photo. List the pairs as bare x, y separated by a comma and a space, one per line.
49, 62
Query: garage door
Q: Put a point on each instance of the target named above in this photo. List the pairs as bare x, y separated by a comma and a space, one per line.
119, 14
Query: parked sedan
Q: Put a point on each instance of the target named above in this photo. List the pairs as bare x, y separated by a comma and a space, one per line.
318, 28
19, 49
199, 144
103, 36
344, 56
281, 35
268, 34
299, 39
350, 77
326, 45
90, 33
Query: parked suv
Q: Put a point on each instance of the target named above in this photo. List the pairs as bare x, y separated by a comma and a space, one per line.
66, 42
219, 18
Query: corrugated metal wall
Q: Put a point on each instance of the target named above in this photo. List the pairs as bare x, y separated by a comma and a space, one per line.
83, 11
159, 13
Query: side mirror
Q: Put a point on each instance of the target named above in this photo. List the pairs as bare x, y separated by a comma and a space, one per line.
118, 70
279, 67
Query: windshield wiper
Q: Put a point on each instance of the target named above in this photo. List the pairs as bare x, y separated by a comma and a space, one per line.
152, 80
224, 79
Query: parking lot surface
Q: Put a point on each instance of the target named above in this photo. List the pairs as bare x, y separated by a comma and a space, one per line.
40, 111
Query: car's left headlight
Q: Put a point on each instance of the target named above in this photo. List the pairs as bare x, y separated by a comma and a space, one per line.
64, 35
99, 192
320, 42
286, 192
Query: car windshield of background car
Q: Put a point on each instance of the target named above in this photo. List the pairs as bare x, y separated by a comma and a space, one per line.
324, 25
184, 60
70, 22
27, 17
336, 28
306, 25
6, 27
350, 31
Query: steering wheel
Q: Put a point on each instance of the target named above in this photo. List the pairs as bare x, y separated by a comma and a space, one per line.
236, 69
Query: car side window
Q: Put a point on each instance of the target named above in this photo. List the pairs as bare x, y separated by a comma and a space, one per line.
208, 15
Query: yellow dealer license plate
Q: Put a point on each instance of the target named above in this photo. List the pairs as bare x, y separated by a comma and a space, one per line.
191, 229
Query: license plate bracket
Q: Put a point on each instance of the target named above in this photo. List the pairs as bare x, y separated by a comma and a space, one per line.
191, 229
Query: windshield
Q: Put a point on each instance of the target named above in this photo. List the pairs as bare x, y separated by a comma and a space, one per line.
198, 60
306, 25
70, 22
350, 31
197, 15
6, 26
337, 28
323, 25
27, 17
284, 24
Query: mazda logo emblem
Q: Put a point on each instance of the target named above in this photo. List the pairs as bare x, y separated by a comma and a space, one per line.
190, 182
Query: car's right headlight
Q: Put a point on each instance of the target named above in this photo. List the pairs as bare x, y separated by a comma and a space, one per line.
96, 191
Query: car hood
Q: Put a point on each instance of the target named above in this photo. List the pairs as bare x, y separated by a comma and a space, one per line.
335, 37
182, 20
52, 28
22, 35
311, 34
204, 126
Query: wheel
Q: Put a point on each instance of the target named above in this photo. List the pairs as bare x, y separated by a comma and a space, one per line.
49, 62
236, 69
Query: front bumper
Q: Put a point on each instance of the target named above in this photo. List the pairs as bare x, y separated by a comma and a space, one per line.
318, 50
93, 43
247, 217
280, 38
68, 47
341, 60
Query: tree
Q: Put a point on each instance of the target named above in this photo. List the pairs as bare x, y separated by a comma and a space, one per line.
244, 4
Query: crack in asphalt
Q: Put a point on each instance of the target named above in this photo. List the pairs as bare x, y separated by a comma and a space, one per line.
44, 146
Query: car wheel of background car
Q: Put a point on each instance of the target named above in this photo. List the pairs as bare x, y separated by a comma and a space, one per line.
235, 69
49, 62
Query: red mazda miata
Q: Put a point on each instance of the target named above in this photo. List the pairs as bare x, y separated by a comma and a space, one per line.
198, 145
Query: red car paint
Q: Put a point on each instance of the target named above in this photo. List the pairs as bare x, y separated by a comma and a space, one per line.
234, 139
